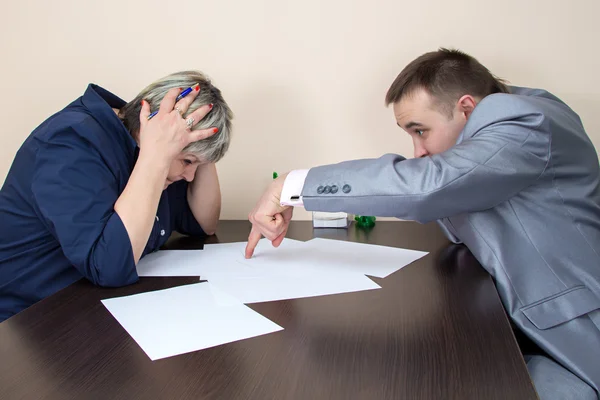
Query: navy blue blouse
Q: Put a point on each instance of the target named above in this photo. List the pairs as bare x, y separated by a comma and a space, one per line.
57, 218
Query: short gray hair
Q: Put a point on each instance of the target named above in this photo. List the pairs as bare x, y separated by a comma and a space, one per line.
211, 149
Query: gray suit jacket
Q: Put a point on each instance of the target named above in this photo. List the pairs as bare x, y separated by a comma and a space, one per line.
521, 189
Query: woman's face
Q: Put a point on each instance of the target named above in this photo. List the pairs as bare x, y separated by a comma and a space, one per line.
182, 167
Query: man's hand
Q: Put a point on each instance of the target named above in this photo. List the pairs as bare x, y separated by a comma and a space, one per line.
269, 218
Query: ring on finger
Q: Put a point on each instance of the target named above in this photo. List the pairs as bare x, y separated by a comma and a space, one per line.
189, 122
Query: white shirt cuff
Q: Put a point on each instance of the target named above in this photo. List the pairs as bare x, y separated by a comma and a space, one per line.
292, 188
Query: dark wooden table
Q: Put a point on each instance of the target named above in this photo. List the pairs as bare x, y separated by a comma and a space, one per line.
436, 330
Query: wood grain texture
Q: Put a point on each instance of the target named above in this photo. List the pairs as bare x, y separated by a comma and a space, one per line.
436, 330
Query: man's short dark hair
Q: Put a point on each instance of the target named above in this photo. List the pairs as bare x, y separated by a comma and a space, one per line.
446, 75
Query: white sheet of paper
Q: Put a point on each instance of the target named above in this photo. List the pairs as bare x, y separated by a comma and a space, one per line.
272, 287
170, 263
231, 259
186, 318
221, 258
254, 281
328, 256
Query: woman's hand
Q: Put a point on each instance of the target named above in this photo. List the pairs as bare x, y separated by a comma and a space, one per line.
164, 136
161, 139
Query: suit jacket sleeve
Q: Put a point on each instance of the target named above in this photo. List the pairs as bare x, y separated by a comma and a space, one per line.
477, 174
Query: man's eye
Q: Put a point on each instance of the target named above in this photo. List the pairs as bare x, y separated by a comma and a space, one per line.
419, 132
187, 162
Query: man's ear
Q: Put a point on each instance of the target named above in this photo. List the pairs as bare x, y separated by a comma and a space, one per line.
466, 105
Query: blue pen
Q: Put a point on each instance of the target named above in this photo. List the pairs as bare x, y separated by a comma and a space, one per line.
181, 96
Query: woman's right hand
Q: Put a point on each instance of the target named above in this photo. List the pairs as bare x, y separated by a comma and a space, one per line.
165, 135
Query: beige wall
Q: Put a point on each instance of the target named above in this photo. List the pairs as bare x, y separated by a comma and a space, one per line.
306, 79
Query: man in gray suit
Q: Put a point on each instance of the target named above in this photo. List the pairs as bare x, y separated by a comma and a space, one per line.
509, 172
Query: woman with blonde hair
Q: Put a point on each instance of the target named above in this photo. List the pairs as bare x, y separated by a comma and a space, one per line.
103, 182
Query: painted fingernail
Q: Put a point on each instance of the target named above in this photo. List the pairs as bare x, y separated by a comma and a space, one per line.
210, 106
142, 102
180, 89
215, 130
197, 88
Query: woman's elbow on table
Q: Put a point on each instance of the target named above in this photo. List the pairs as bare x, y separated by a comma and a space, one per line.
110, 266
113, 275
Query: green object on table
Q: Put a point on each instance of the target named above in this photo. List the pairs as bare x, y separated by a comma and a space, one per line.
364, 221
275, 175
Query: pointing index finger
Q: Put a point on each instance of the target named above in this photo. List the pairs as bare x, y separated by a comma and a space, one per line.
253, 240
